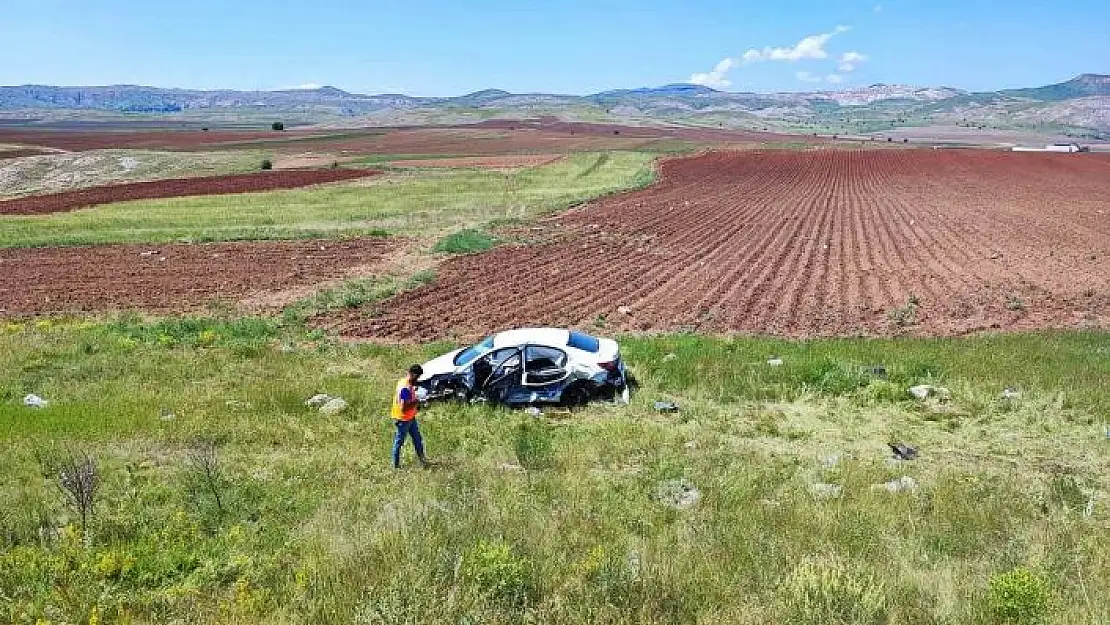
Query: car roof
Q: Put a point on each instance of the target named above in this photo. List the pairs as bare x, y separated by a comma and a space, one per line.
554, 337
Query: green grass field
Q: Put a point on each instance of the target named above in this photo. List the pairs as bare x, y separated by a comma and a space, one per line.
419, 203
561, 519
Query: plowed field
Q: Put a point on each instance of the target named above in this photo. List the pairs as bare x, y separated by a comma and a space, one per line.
823, 242
176, 187
171, 278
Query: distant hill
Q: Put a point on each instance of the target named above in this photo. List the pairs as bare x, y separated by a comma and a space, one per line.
1078, 87
1076, 106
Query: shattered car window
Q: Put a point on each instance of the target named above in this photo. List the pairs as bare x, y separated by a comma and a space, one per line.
584, 342
467, 355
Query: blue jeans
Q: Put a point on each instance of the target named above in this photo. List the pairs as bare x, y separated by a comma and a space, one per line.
405, 429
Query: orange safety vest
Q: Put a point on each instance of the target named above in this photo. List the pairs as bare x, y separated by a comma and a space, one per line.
398, 411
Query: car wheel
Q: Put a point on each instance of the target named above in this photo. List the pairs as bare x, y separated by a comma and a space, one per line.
576, 396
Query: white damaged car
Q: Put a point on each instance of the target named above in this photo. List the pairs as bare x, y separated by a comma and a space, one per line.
530, 366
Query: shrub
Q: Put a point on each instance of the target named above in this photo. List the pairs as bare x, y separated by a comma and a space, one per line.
278, 126
267, 164
497, 571
1018, 597
466, 241
827, 591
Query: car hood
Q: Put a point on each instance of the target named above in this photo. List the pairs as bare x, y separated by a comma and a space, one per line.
440, 365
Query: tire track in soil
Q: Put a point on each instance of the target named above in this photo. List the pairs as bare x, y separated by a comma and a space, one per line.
821, 242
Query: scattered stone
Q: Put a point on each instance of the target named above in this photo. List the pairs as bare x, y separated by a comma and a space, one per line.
925, 391
902, 484
1089, 510
821, 490
533, 411
902, 451
166, 414
509, 467
775, 362
34, 401
625, 397
624, 310
830, 462
670, 357
1010, 394
317, 401
878, 372
678, 494
691, 445
150, 253
334, 406
666, 406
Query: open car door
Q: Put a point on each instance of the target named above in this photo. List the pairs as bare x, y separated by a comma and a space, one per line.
505, 374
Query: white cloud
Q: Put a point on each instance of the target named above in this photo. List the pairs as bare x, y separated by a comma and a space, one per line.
849, 61
715, 78
812, 47
306, 86
878, 8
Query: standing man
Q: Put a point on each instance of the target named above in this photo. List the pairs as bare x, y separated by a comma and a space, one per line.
405, 403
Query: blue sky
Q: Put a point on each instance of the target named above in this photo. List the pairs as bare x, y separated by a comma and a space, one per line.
436, 47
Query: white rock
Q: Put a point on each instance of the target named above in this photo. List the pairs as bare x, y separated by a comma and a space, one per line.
334, 406
318, 400
669, 357
34, 401
921, 391
509, 467
1010, 394
624, 310
533, 411
775, 362
678, 494
822, 490
902, 484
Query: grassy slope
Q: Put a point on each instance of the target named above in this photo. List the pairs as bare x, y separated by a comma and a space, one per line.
52, 173
416, 203
316, 528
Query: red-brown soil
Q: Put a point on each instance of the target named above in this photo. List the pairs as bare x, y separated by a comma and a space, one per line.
171, 278
21, 152
484, 162
802, 243
176, 187
486, 138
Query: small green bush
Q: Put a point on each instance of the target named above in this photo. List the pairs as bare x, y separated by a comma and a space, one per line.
465, 241
267, 164
277, 126
1018, 597
497, 571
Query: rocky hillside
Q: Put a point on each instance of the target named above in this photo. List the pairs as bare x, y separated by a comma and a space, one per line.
1079, 105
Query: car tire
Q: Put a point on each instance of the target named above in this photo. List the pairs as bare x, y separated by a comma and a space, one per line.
576, 396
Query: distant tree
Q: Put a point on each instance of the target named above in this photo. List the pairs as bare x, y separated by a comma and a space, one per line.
277, 126
267, 164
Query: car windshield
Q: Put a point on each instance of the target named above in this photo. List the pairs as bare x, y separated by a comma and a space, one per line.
466, 356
